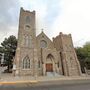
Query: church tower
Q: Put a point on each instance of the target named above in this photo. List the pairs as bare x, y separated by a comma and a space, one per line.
26, 53
68, 57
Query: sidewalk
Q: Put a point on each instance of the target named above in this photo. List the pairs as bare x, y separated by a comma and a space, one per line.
9, 79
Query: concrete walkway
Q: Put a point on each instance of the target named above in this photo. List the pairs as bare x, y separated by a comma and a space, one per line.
10, 79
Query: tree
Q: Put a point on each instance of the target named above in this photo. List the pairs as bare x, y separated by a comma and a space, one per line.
9, 48
83, 54
0, 54
87, 52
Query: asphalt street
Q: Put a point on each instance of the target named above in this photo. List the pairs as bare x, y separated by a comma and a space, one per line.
46, 86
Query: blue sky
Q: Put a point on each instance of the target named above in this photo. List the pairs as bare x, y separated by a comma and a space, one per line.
54, 16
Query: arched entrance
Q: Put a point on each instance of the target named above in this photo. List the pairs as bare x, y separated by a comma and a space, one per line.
49, 63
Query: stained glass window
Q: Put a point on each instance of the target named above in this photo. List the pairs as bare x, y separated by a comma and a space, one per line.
26, 63
43, 44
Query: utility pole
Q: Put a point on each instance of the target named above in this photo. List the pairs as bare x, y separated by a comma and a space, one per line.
2, 59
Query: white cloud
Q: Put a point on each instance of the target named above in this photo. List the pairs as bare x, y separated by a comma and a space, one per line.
75, 19
41, 11
8, 18
11, 30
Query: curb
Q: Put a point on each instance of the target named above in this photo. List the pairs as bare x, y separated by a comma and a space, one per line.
17, 82
39, 80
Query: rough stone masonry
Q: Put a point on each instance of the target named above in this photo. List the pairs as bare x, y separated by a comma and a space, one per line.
38, 55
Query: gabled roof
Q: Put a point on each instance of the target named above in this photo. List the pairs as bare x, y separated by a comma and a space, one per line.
42, 34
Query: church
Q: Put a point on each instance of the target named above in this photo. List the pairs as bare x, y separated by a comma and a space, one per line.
40, 56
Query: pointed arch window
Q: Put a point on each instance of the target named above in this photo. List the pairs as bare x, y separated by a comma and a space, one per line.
28, 41
26, 63
27, 19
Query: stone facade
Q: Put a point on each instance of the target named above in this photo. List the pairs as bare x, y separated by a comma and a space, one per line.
38, 55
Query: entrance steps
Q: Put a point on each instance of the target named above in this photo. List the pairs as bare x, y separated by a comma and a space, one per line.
56, 74
52, 74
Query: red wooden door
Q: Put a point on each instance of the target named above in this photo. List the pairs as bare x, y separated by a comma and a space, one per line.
49, 67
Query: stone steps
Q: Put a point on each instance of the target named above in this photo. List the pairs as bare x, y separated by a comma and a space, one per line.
52, 74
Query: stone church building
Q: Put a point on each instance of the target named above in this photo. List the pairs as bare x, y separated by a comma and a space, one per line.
38, 55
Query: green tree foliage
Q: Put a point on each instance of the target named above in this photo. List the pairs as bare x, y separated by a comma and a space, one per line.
87, 51
83, 54
8, 48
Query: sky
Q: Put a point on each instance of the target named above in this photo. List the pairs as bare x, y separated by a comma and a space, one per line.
54, 16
